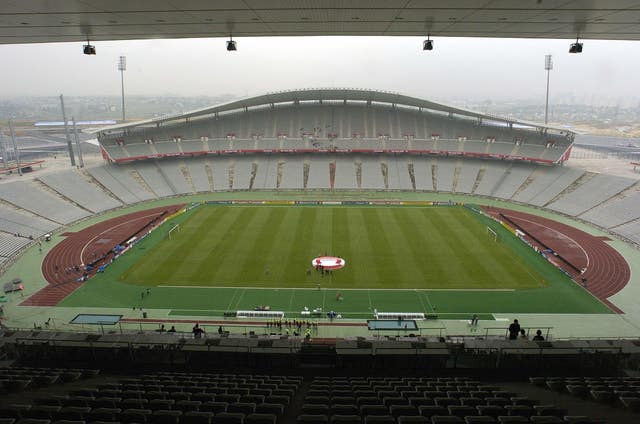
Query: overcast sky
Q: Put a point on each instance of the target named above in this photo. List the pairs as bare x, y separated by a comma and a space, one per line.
498, 69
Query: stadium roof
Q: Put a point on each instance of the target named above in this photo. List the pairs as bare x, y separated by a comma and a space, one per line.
39, 21
332, 94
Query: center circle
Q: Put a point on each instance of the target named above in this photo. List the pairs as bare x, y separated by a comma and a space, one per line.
328, 262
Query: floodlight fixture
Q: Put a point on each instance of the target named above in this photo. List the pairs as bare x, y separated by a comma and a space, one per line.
575, 47
427, 44
231, 45
89, 48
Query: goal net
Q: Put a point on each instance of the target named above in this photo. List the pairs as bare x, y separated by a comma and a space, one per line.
493, 234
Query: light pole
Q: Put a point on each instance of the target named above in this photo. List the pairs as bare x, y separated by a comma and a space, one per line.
548, 66
122, 66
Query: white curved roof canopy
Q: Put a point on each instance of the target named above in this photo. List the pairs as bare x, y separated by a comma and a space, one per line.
331, 94
38, 21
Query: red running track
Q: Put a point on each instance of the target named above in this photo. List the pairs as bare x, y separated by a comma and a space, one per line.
87, 246
607, 272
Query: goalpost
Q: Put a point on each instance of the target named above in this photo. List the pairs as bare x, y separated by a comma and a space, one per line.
493, 234
175, 228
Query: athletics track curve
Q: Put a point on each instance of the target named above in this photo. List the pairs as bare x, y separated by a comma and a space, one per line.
87, 246
607, 272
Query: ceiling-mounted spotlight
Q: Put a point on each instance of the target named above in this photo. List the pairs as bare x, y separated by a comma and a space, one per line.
231, 45
427, 44
88, 48
575, 47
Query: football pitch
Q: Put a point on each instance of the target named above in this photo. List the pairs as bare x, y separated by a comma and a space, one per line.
384, 247
431, 259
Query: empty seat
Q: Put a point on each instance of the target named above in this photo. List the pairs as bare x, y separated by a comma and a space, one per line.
366, 410
431, 410
244, 408
165, 417
260, 419
497, 401
461, 411
157, 404
270, 408
580, 390
281, 399
197, 417
446, 419
315, 409
134, 403
479, 419
550, 410
403, 410
215, 407
105, 414
45, 412
506, 419
545, 419
312, 419
446, 401
74, 413
471, 401
187, 405
519, 410
603, 396
33, 421
135, 415
379, 419
412, 419
345, 419
491, 410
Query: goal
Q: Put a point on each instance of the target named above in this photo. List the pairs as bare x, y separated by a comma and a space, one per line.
172, 232
493, 234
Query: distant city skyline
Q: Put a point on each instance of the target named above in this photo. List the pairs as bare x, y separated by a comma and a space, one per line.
497, 69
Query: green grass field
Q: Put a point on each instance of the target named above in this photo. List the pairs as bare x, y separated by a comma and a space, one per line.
385, 247
399, 258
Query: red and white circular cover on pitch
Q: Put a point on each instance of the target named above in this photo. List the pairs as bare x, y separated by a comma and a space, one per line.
328, 262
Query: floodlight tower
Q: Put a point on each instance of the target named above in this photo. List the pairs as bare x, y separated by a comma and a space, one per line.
548, 66
122, 66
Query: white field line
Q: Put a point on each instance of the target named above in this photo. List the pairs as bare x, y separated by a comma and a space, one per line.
333, 288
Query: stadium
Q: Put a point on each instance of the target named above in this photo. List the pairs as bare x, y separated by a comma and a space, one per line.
316, 256
438, 213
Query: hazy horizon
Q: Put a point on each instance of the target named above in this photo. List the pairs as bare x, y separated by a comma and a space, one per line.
500, 69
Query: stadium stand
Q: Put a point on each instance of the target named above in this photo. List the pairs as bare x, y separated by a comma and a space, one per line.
242, 168
10, 244
589, 194
372, 177
345, 173
515, 175
615, 211
292, 174
153, 178
318, 172
15, 222
445, 172
198, 172
548, 184
422, 168
41, 203
173, 172
630, 230
74, 186
467, 175
493, 174
220, 173
119, 181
